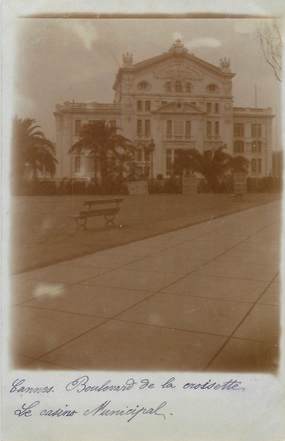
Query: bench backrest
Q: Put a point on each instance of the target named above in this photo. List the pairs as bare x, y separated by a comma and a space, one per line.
103, 201
99, 212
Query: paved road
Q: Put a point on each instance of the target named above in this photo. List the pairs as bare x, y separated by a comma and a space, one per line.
200, 298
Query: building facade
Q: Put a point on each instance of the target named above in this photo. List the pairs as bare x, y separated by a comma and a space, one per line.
277, 163
172, 101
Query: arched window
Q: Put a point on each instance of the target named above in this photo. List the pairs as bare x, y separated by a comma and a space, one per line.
238, 147
178, 86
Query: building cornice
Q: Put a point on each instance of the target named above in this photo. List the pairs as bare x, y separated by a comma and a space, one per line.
179, 107
87, 108
252, 112
181, 96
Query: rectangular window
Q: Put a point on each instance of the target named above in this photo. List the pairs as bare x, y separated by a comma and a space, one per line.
77, 164
139, 155
139, 128
209, 129
238, 146
147, 128
178, 86
259, 165
239, 130
139, 106
187, 129
188, 87
90, 164
147, 106
253, 165
217, 128
177, 153
178, 128
113, 123
256, 130
169, 128
209, 107
77, 127
146, 156
168, 161
216, 107
168, 86
212, 87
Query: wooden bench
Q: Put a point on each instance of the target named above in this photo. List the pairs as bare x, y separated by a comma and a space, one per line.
237, 196
109, 208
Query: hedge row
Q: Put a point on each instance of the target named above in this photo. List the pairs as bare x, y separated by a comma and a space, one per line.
68, 187
268, 184
162, 185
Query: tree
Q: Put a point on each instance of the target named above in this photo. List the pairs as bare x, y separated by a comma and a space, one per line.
214, 166
271, 44
109, 150
31, 149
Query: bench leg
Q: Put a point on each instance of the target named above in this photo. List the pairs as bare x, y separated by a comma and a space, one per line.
110, 220
82, 223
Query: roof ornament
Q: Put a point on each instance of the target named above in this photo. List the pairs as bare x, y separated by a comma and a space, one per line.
127, 59
178, 47
225, 64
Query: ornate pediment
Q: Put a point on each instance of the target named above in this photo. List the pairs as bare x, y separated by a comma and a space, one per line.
177, 70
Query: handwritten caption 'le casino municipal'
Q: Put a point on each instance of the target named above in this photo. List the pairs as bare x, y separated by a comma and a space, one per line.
83, 385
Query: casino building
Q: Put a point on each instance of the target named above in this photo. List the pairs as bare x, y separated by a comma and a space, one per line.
171, 101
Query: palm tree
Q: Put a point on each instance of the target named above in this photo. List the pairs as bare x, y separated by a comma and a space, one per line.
110, 150
213, 165
30, 148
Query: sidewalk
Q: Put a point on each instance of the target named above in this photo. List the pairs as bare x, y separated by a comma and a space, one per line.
200, 298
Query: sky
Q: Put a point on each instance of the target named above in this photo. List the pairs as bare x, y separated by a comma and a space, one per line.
61, 60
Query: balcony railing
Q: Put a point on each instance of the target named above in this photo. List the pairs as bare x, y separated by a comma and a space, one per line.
178, 138
144, 135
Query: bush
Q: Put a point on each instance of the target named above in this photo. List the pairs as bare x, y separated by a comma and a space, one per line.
156, 185
225, 186
45, 187
173, 184
67, 186
268, 184
165, 185
34, 188
203, 186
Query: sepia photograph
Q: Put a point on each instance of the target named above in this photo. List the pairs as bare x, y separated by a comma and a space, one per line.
146, 183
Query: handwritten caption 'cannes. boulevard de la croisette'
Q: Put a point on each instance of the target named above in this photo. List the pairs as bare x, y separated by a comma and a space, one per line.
104, 408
